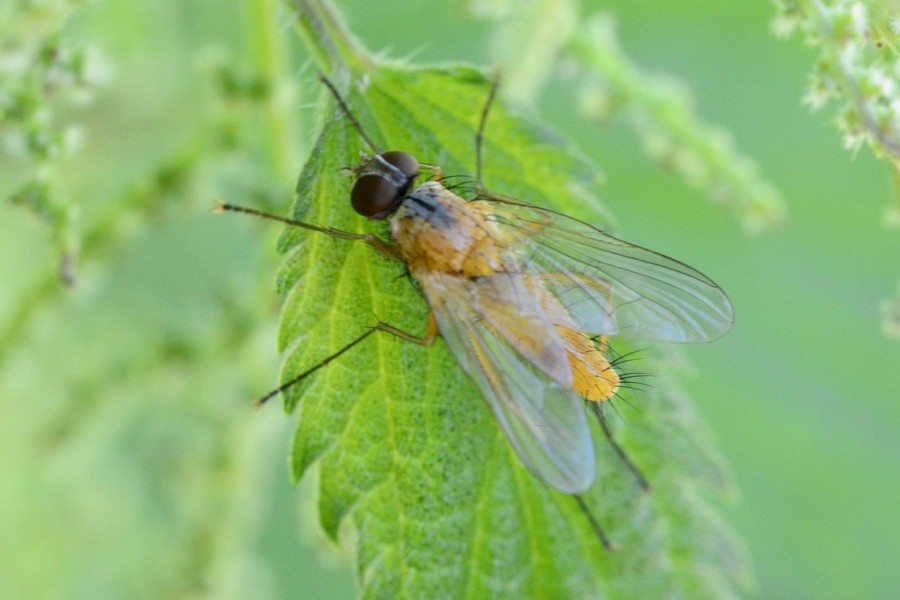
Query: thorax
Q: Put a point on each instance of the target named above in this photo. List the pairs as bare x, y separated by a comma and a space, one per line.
436, 230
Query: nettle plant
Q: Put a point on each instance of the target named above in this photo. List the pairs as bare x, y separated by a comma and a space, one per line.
857, 72
409, 457
412, 466
413, 470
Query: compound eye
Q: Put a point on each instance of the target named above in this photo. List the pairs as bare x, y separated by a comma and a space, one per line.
374, 196
405, 163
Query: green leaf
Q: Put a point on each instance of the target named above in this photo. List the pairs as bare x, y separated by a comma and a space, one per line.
409, 454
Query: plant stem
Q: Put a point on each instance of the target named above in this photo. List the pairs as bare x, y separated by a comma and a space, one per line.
327, 37
267, 47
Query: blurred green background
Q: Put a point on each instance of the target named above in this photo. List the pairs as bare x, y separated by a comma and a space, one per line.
130, 462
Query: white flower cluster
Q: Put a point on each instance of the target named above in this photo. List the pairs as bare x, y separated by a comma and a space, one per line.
859, 68
858, 65
42, 75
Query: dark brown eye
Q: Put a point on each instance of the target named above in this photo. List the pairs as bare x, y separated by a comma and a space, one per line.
386, 179
374, 196
405, 163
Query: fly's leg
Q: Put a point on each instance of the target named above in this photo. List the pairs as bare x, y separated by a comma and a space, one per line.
428, 339
603, 345
620, 452
431, 332
595, 524
345, 108
479, 136
483, 192
292, 382
372, 240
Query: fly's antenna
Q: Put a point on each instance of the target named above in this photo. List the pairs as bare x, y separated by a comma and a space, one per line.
479, 137
346, 110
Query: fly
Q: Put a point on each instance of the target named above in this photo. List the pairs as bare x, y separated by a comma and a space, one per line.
525, 299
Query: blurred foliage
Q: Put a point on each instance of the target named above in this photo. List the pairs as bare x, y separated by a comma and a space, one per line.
858, 69
43, 74
134, 327
660, 108
662, 113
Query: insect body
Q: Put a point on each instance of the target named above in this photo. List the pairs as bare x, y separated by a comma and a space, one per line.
525, 298
506, 329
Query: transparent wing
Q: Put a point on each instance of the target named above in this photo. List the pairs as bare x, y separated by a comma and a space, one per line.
610, 286
543, 418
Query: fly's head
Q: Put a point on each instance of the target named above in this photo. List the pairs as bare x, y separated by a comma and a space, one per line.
382, 182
